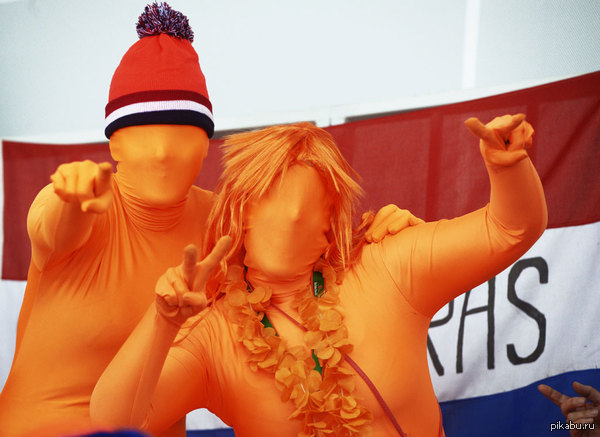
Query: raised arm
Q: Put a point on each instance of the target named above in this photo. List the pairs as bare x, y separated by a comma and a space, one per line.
61, 217
432, 263
144, 386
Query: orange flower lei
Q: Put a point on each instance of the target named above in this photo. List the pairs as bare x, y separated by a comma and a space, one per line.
323, 401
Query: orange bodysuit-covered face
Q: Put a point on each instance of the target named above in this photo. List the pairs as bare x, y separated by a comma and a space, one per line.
286, 229
158, 163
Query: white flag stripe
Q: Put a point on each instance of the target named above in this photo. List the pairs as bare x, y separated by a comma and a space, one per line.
539, 329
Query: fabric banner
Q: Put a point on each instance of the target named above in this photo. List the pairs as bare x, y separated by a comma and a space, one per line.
489, 348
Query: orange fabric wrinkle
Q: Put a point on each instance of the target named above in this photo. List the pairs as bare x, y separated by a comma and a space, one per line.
80, 308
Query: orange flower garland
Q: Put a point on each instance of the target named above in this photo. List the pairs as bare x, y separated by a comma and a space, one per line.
324, 402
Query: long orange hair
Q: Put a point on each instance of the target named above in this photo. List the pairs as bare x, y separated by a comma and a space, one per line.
253, 160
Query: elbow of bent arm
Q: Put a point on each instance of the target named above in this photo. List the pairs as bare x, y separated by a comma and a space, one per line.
518, 205
112, 409
521, 234
104, 413
536, 220
36, 231
56, 228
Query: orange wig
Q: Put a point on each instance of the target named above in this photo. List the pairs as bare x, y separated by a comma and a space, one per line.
253, 160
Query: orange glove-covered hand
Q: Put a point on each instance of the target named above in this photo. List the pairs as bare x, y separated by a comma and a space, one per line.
390, 220
59, 222
85, 183
504, 139
175, 300
137, 366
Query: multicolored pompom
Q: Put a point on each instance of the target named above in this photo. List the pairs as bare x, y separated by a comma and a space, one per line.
160, 18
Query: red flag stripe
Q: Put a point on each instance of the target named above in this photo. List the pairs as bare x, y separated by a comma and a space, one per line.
425, 161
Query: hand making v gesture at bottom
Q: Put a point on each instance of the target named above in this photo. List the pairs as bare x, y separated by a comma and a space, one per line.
180, 292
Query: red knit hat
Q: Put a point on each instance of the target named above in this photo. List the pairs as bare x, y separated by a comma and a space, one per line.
159, 80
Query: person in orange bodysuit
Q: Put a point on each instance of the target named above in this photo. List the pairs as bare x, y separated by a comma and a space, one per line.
100, 241
317, 333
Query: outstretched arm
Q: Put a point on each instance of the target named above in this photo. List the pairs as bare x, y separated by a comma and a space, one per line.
135, 389
61, 217
434, 262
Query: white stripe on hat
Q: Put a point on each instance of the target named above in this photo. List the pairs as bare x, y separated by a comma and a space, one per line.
162, 105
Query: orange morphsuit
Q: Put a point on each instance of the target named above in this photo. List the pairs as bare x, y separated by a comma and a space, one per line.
92, 274
385, 299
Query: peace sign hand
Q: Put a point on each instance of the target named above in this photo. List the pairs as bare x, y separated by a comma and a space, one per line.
180, 292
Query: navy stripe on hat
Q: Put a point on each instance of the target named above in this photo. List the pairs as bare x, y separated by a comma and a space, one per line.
174, 117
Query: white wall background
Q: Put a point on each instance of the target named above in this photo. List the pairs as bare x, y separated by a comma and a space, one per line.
270, 61
267, 57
